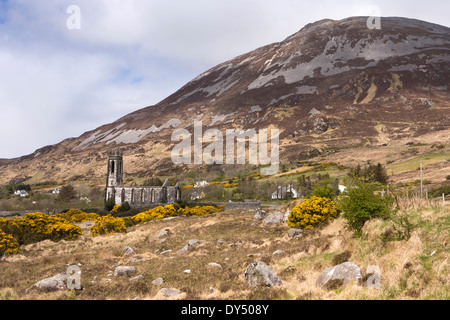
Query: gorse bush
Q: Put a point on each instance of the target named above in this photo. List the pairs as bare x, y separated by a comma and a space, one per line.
312, 212
172, 210
38, 226
108, 225
8, 244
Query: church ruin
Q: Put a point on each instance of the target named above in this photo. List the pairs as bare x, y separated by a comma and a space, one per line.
136, 196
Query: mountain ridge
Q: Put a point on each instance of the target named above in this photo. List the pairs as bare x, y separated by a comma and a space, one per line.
332, 83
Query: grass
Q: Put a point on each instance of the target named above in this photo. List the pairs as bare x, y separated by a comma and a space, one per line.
409, 268
414, 163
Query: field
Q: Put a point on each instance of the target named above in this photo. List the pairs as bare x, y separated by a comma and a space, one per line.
413, 268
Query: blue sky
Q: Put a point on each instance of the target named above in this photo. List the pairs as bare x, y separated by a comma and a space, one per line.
57, 83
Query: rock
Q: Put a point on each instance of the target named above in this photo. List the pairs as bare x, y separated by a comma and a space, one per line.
278, 253
319, 126
215, 265
158, 281
259, 214
295, 233
169, 292
187, 271
137, 278
220, 241
333, 123
344, 273
124, 271
191, 243
166, 251
259, 274
137, 260
277, 217
164, 233
128, 251
58, 282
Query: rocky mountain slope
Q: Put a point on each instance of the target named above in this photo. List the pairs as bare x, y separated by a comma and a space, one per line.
330, 86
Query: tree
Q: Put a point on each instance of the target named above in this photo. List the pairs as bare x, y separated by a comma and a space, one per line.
67, 193
323, 189
362, 204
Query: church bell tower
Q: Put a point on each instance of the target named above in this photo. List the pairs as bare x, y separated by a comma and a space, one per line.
115, 169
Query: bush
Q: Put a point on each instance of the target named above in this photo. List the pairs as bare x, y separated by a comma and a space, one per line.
109, 204
67, 193
8, 244
362, 204
312, 212
324, 190
107, 225
124, 207
35, 227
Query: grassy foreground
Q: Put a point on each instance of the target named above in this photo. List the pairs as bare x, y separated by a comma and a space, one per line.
415, 267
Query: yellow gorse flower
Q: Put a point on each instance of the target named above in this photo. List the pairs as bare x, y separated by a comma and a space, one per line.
312, 212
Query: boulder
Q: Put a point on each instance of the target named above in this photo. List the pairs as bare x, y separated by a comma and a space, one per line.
58, 282
259, 274
124, 271
341, 274
277, 217
295, 233
259, 214
128, 251
319, 126
278, 253
158, 281
215, 265
191, 243
164, 233
169, 292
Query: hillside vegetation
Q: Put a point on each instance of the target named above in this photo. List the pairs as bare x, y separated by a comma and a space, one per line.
410, 250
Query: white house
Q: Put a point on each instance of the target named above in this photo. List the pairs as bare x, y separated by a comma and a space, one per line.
285, 192
21, 193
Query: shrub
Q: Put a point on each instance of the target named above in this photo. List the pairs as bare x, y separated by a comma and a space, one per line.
77, 216
324, 190
362, 204
38, 226
124, 207
63, 230
8, 244
67, 193
109, 204
312, 212
108, 225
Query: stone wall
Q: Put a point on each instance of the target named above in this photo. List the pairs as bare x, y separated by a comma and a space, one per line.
144, 196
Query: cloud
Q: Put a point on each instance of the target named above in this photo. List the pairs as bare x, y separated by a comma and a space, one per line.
58, 83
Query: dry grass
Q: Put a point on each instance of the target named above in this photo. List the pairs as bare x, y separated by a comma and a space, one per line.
409, 268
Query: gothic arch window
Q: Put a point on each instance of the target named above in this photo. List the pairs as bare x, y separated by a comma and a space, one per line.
142, 195
132, 195
113, 166
123, 196
153, 196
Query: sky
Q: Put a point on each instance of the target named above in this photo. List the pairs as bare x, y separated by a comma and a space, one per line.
65, 70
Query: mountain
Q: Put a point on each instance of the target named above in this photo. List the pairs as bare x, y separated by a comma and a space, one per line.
332, 86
